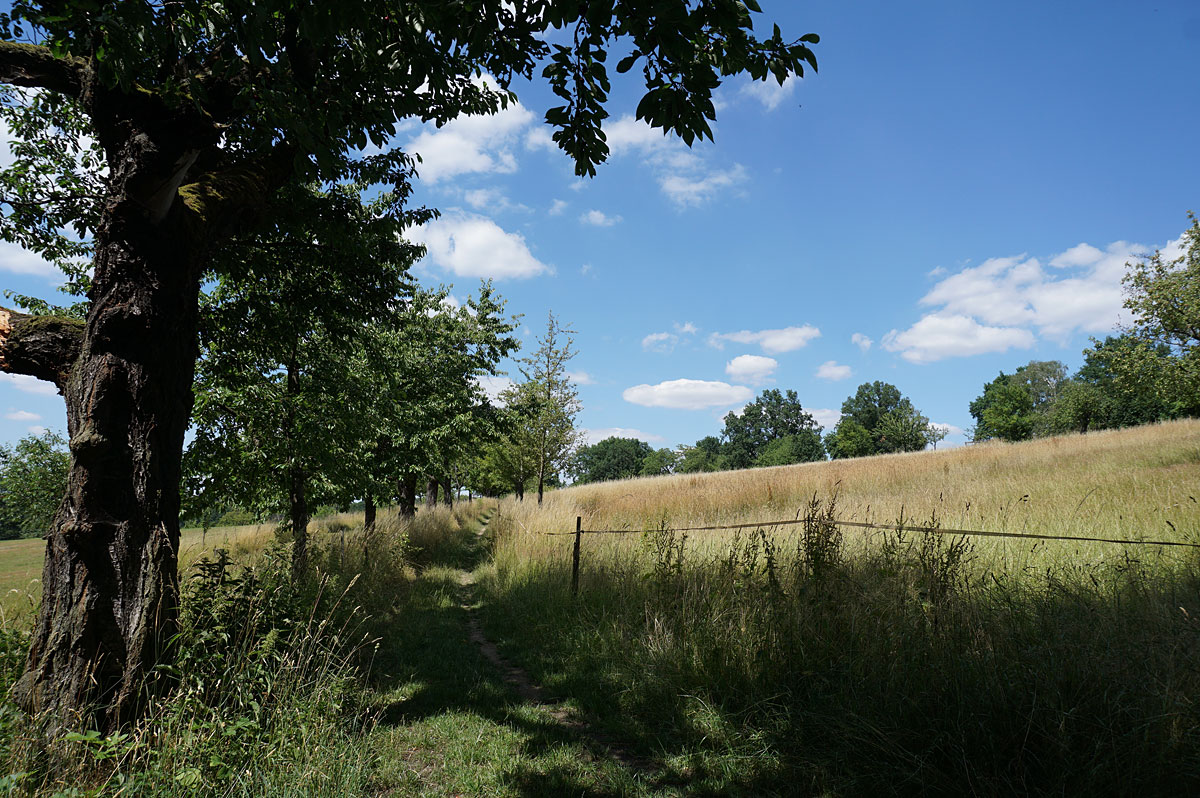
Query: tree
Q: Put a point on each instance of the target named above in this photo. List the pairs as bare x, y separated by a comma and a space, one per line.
202, 112
33, 479
706, 455
429, 411
611, 458
1018, 406
660, 461
849, 439
877, 419
773, 415
547, 403
791, 449
1004, 410
281, 417
1164, 296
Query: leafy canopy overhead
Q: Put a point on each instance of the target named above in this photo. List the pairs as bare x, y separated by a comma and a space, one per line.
332, 77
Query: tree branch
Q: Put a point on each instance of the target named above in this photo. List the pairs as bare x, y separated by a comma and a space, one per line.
221, 200
45, 347
35, 66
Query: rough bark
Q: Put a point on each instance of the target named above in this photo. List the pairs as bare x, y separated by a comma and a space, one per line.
110, 580
298, 516
45, 347
368, 514
35, 66
431, 493
407, 495
447, 492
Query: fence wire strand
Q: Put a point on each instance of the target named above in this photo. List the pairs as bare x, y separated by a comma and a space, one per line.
894, 527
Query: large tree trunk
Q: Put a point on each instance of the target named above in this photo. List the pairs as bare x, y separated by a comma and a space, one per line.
447, 492
431, 493
408, 495
519, 489
368, 515
298, 514
110, 582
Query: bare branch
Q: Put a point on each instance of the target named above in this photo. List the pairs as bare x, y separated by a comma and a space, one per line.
35, 66
45, 347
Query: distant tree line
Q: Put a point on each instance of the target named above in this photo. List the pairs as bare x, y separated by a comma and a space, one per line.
773, 430
1149, 372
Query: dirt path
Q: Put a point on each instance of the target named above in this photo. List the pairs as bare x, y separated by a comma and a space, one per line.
533, 693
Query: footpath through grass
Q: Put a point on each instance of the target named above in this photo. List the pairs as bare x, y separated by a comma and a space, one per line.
271, 704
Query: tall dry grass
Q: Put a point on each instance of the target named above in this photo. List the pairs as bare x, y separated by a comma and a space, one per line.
817, 660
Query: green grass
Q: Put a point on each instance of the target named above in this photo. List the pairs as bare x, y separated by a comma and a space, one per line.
810, 662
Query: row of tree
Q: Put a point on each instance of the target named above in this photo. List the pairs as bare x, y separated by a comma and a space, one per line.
1149, 372
772, 430
340, 379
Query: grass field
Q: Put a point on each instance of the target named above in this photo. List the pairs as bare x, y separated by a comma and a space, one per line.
21, 561
815, 660
802, 660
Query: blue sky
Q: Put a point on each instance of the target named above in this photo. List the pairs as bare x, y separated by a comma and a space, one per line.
954, 194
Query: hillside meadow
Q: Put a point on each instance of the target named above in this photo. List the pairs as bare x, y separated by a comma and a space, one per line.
812, 659
800, 660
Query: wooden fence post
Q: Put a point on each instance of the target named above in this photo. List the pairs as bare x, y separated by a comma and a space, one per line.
575, 557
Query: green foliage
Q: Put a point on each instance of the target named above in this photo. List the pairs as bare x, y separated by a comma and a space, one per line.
878, 420
791, 449
706, 455
772, 416
278, 392
1004, 410
33, 479
1164, 296
1019, 406
849, 439
660, 461
611, 458
545, 404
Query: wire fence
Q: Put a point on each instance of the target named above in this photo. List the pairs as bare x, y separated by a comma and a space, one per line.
580, 532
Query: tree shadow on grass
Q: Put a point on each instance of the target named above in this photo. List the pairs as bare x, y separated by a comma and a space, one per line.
428, 672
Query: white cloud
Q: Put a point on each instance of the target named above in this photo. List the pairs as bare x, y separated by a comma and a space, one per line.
831, 370
663, 342
38, 429
598, 218
687, 394
754, 369
937, 336
580, 377
585, 269
15, 259
683, 173
687, 328
698, 188
23, 382
557, 207
1082, 294
472, 143
769, 92
826, 418
22, 415
596, 435
1005, 302
474, 246
773, 341
861, 341
492, 199
493, 386
540, 138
